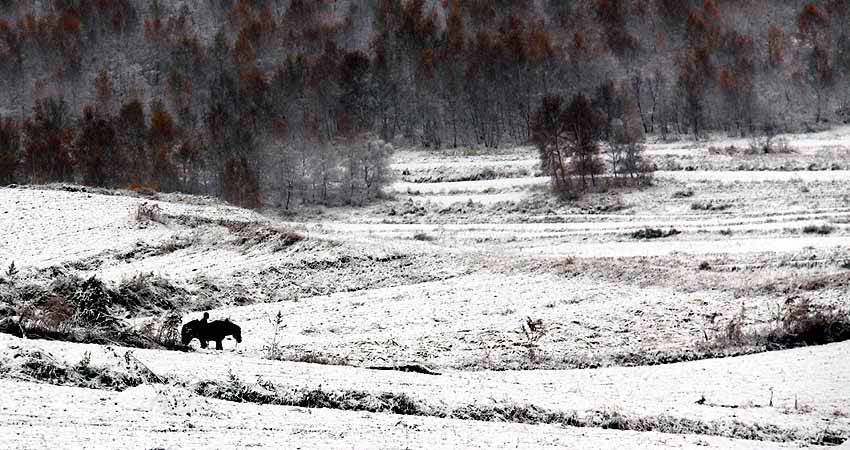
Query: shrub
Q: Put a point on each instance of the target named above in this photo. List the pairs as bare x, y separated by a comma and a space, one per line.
273, 348
11, 271
684, 194
818, 229
800, 323
424, 237
532, 331
704, 266
767, 141
165, 331
148, 292
804, 323
252, 234
147, 213
92, 301
654, 233
264, 392
313, 358
44, 367
76, 310
710, 206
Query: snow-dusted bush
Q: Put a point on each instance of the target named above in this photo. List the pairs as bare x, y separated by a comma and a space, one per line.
818, 229
654, 233
146, 213
709, 205
799, 323
165, 330
124, 373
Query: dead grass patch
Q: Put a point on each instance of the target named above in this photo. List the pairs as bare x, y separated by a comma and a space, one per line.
254, 234
87, 311
654, 233
146, 214
710, 205
425, 237
264, 392
800, 323
818, 229
43, 367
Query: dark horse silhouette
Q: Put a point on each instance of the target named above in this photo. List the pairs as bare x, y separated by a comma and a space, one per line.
205, 331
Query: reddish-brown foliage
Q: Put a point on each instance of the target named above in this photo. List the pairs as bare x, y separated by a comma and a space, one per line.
776, 46
162, 129
243, 50
811, 19
253, 82
426, 63
455, 34
47, 155
540, 45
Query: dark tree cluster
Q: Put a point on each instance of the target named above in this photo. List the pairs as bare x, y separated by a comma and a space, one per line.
291, 102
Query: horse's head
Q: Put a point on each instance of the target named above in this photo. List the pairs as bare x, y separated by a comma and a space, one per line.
188, 332
236, 332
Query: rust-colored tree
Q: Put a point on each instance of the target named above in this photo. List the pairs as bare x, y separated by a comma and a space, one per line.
244, 53
161, 136
696, 71
103, 91
613, 15
776, 46
812, 22
48, 136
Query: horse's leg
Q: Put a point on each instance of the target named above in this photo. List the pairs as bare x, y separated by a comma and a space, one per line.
218, 345
204, 343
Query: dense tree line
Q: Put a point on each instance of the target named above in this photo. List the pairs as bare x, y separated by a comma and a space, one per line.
292, 101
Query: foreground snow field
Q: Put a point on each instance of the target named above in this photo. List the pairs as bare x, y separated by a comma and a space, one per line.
736, 390
37, 416
444, 274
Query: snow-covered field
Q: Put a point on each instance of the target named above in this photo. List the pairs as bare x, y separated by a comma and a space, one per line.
737, 390
150, 416
444, 274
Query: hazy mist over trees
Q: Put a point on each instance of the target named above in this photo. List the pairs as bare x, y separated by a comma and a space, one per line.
287, 102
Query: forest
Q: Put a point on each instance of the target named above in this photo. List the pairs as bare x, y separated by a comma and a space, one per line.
292, 102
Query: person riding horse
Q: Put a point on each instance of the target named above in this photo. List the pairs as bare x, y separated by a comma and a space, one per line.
205, 331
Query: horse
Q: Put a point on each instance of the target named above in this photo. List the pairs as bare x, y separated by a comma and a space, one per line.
205, 331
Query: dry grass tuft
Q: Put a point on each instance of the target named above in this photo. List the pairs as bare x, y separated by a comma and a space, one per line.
147, 213
254, 234
654, 233
818, 229
800, 323
42, 366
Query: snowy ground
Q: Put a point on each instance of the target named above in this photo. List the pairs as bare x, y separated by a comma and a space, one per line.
36, 416
444, 275
737, 390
